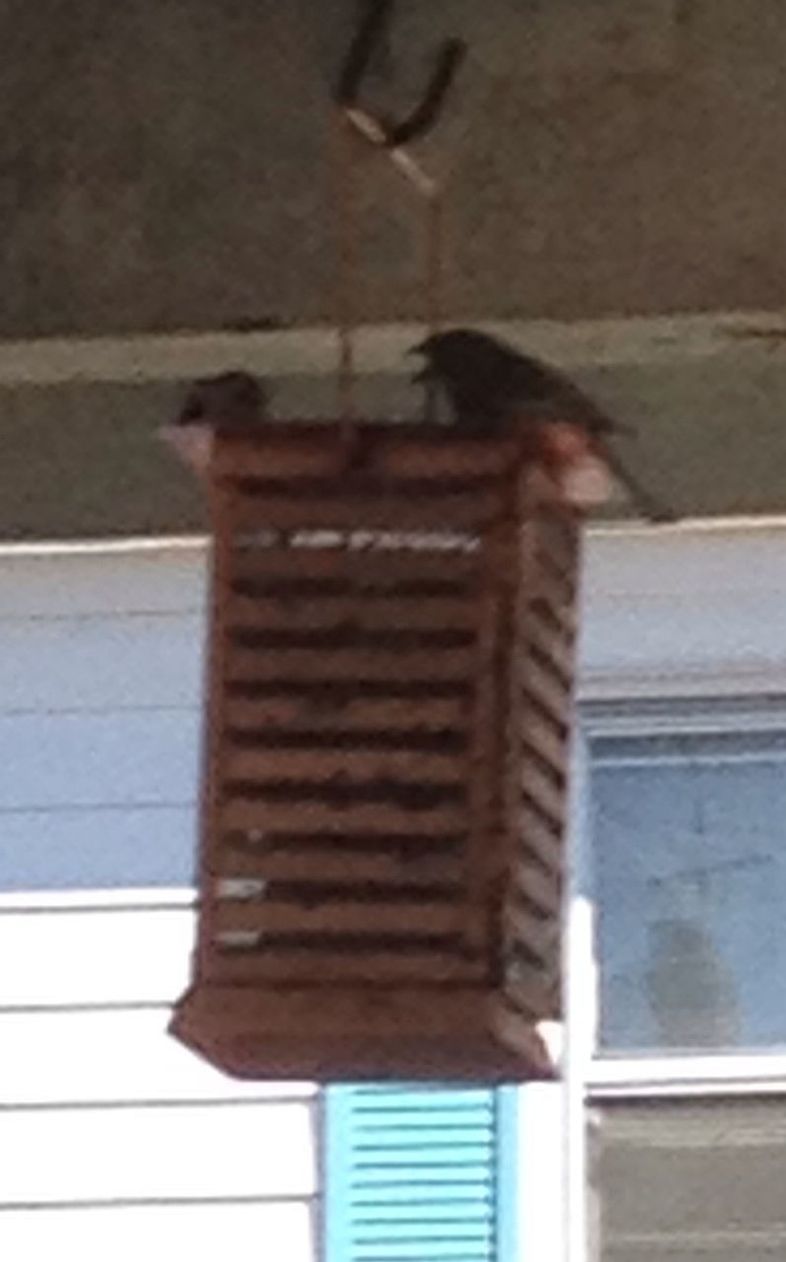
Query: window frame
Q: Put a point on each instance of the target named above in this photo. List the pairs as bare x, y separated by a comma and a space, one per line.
615, 1074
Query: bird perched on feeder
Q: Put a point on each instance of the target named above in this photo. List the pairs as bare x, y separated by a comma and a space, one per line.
233, 401
493, 388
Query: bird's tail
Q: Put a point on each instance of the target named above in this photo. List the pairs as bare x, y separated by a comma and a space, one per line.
648, 504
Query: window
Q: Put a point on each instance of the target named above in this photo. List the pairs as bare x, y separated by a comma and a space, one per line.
689, 859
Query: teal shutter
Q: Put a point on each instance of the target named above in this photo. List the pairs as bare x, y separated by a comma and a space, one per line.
416, 1174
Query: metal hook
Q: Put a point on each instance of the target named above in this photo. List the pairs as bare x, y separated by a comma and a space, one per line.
386, 133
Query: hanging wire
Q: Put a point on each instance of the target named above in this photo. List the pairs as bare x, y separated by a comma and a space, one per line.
390, 136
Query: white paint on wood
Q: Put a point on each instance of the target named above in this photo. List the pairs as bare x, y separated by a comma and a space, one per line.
661, 339
104, 1055
206, 1150
96, 956
200, 1233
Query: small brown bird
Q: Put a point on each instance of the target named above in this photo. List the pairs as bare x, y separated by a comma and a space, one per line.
235, 400
492, 387
232, 401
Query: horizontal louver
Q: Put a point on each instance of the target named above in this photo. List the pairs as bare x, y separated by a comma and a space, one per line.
418, 1175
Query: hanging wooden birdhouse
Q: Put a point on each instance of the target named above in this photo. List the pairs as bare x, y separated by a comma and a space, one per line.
390, 670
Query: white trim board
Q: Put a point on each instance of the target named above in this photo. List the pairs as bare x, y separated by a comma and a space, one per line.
662, 339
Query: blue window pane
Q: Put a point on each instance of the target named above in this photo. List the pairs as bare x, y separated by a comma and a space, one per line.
689, 856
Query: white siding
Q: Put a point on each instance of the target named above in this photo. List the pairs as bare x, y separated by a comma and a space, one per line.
116, 1140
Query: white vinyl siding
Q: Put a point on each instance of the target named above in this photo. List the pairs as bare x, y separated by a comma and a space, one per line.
116, 1140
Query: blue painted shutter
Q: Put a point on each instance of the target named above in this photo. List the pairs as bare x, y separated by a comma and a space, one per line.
416, 1174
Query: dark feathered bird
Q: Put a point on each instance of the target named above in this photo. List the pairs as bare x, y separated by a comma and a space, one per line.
233, 399
492, 387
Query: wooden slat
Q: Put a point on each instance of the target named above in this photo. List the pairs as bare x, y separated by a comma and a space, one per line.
549, 644
341, 865
376, 714
362, 612
531, 990
542, 792
515, 1032
382, 568
556, 579
559, 536
352, 764
537, 935
547, 739
449, 457
537, 836
349, 664
277, 454
542, 889
382, 511
369, 919
326, 966
308, 817
549, 693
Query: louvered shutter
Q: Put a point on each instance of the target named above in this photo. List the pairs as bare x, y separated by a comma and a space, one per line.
420, 1174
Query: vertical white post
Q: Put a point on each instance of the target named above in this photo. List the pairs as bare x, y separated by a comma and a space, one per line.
580, 1003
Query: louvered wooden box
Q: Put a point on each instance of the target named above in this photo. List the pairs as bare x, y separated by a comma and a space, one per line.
390, 673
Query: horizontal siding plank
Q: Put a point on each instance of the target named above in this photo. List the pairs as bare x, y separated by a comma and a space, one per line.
200, 1232
165, 580
102, 663
184, 1151
91, 848
123, 758
94, 956
107, 1056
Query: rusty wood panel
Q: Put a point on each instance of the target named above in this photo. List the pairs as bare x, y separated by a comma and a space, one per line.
516, 1032
341, 865
558, 541
362, 611
531, 990
272, 453
326, 966
559, 614
536, 937
393, 570
306, 817
447, 457
542, 792
540, 888
486, 850
556, 580
367, 919
305, 714
548, 693
549, 646
351, 764
349, 664
540, 836
382, 511
547, 740
429, 1011
212, 769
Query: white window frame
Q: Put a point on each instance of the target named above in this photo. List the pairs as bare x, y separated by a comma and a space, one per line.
719, 587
